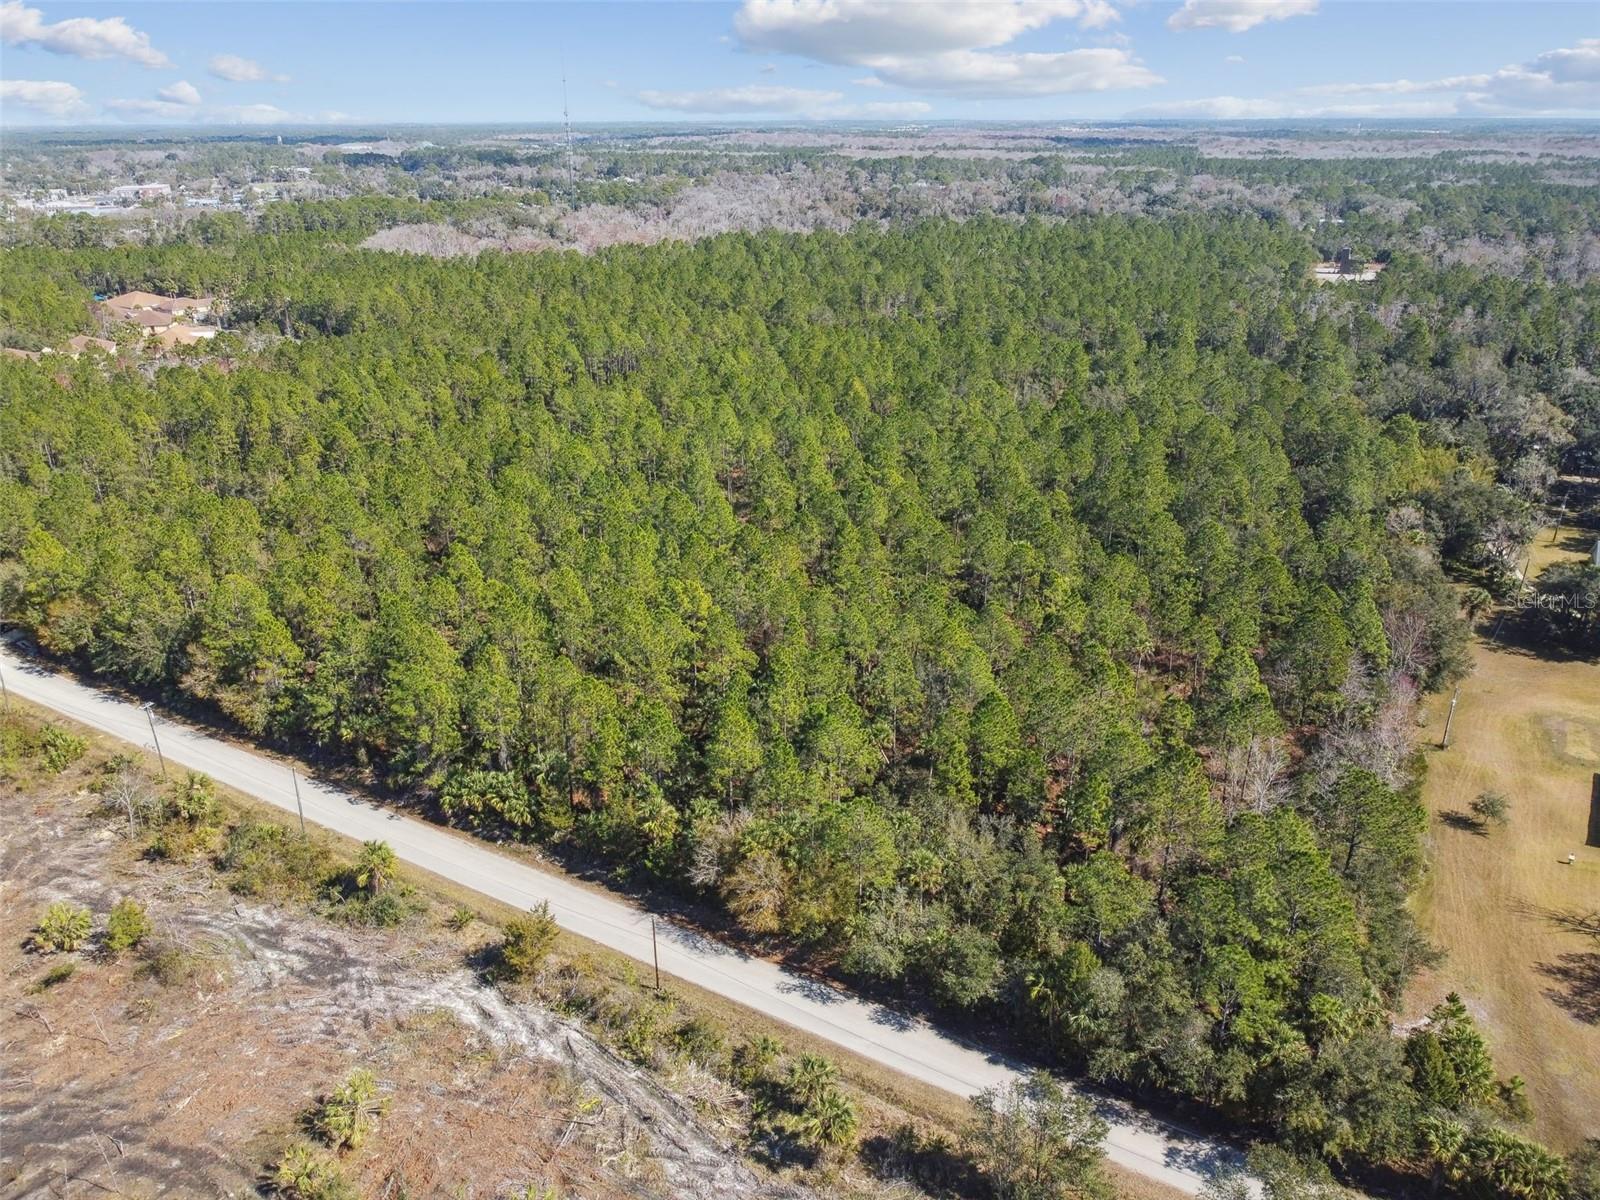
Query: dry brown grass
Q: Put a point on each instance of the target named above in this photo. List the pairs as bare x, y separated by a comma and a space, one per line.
1521, 928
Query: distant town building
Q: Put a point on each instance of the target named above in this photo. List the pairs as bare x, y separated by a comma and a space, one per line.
166, 320
142, 191
81, 342
1345, 269
184, 335
124, 307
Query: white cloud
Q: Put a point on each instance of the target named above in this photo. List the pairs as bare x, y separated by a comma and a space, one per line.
1221, 108
749, 99
1236, 16
1234, 59
803, 102
1271, 108
972, 73
47, 97
169, 109
236, 69
182, 92
871, 81
877, 110
166, 107
1563, 80
1558, 81
78, 37
1395, 87
948, 46
854, 32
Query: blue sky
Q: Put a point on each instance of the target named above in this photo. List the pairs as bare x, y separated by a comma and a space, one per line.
145, 62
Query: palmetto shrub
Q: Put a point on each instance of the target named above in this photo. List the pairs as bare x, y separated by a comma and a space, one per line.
63, 926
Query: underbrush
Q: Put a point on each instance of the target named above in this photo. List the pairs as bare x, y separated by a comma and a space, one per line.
790, 1110
37, 745
266, 861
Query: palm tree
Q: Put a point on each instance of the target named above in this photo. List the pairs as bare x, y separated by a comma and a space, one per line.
351, 1113
375, 866
810, 1078
829, 1121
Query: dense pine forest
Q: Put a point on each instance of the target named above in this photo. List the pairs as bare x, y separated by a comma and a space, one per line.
1027, 618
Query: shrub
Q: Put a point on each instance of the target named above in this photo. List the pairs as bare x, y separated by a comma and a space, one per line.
349, 1114
1493, 1162
460, 917
63, 926
527, 942
59, 749
177, 842
1036, 1139
810, 1077
171, 965
265, 860
125, 791
15, 745
303, 1174
1583, 1171
127, 926
701, 1041
930, 1161
193, 801
638, 1027
830, 1120
1492, 806
382, 911
753, 1061
480, 799
375, 867
57, 974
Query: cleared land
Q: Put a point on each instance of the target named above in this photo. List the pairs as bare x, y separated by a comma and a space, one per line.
1165, 1153
1520, 927
187, 1067
192, 1076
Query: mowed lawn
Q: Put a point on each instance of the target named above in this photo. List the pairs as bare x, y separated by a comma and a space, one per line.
1520, 927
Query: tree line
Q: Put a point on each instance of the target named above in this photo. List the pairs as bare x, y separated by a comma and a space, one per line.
1027, 617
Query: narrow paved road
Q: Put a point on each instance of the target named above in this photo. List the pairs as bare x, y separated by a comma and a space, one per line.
1136, 1142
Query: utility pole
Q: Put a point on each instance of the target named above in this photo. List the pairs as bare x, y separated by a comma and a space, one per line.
566, 118
150, 711
300, 808
1449, 717
655, 954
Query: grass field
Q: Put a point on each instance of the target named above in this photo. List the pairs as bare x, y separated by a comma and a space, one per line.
1521, 927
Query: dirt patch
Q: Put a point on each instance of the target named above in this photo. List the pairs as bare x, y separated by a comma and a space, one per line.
118, 1082
1574, 740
